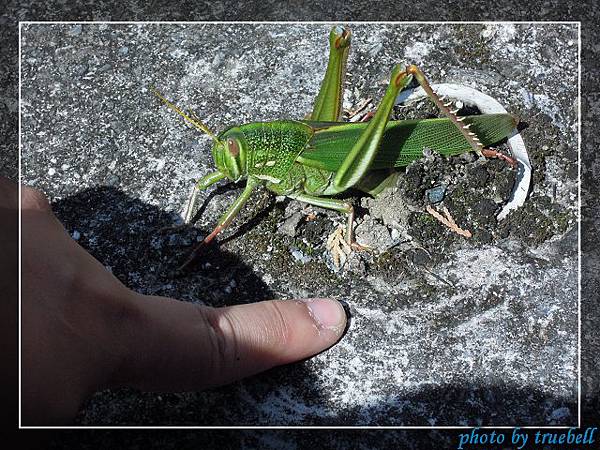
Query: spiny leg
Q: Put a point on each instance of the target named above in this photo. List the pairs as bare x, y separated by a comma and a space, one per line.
471, 137
225, 219
328, 104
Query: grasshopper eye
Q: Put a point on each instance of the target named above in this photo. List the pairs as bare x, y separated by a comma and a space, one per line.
233, 147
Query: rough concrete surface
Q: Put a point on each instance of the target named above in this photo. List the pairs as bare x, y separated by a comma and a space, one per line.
444, 330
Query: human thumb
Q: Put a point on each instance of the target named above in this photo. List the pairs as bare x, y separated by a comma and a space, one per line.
179, 346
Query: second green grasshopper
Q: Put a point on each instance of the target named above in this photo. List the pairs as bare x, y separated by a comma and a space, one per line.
314, 159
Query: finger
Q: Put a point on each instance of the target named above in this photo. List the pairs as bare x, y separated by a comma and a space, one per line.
178, 346
33, 199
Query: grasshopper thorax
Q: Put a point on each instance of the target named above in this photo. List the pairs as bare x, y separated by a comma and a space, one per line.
229, 153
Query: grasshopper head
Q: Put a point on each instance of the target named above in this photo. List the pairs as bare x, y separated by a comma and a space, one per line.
229, 147
229, 153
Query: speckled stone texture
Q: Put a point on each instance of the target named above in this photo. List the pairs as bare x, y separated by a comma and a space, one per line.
444, 331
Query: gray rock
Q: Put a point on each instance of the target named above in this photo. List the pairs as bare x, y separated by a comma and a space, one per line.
373, 235
436, 194
390, 207
292, 217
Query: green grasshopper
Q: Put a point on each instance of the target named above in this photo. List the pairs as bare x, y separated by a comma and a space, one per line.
314, 159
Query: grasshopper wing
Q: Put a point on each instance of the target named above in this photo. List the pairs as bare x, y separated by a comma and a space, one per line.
403, 141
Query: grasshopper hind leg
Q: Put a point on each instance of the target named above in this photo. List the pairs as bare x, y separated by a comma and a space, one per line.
328, 104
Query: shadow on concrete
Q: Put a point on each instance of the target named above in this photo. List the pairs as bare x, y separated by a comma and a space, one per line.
122, 232
139, 244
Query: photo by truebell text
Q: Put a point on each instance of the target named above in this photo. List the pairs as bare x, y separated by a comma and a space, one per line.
522, 438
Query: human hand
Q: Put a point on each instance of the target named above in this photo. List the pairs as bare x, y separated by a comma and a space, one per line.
83, 330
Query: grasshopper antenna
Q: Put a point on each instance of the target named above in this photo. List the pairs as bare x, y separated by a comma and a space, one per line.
191, 117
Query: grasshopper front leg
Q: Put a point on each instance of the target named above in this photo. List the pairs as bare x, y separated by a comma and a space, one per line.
200, 185
225, 219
